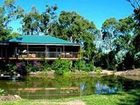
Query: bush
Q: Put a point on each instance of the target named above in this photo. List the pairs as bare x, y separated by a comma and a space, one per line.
82, 65
29, 67
137, 59
21, 68
98, 70
34, 66
89, 67
61, 66
10, 68
46, 66
2, 92
37, 66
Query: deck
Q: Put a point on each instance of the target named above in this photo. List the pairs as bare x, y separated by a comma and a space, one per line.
44, 56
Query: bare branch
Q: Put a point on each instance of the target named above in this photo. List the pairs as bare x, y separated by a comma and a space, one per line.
132, 4
138, 4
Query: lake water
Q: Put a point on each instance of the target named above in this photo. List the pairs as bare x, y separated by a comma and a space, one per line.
43, 87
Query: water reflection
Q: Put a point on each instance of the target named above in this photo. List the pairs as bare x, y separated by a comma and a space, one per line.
104, 89
61, 86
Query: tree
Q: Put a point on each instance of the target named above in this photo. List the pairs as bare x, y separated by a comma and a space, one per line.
136, 5
116, 41
108, 36
71, 26
34, 23
8, 12
136, 40
30, 22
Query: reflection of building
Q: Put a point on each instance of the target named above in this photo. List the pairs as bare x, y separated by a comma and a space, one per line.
35, 47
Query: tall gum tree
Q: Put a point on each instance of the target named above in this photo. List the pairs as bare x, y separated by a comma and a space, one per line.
116, 38
8, 12
71, 26
35, 23
136, 41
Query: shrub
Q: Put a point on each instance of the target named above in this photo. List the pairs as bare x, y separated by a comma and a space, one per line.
2, 92
37, 66
34, 66
98, 70
61, 66
29, 67
11, 68
46, 66
21, 68
137, 59
89, 67
82, 65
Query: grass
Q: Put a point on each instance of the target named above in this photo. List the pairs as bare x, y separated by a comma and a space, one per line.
125, 98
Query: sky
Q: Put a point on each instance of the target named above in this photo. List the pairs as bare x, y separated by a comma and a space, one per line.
93, 10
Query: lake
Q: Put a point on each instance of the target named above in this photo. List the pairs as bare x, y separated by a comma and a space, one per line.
44, 87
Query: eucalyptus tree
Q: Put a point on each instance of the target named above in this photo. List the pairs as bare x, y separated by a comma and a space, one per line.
108, 36
71, 26
125, 32
136, 41
124, 43
117, 37
34, 22
48, 18
30, 22
136, 5
8, 12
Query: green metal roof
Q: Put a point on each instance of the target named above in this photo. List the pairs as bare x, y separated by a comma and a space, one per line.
40, 39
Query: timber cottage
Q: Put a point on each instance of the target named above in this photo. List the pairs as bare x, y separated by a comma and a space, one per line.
36, 47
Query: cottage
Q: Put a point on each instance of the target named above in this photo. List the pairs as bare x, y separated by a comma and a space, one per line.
38, 47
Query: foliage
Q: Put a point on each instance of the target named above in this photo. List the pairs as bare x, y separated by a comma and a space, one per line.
46, 66
34, 66
109, 33
90, 67
10, 69
9, 11
137, 59
61, 66
2, 92
73, 27
82, 65
37, 66
98, 70
34, 23
21, 68
116, 40
28, 67
136, 5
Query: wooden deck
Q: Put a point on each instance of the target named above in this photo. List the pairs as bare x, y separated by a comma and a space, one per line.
34, 55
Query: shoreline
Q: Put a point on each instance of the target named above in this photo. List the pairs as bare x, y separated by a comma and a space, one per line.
134, 72
130, 74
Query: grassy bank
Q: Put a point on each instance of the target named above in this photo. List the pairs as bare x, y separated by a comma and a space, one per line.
125, 98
